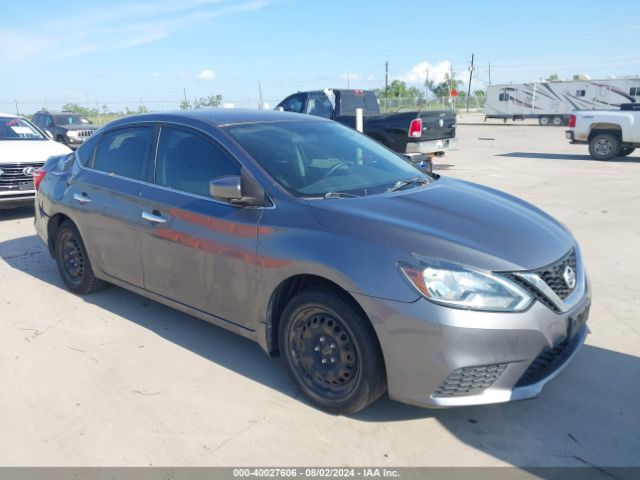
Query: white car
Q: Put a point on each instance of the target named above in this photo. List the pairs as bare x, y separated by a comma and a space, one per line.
609, 133
23, 149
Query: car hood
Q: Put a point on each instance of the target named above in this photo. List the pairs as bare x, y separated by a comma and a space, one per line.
22, 151
453, 220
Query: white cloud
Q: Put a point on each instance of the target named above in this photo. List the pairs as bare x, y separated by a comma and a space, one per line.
420, 71
206, 75
99, 28
352, 76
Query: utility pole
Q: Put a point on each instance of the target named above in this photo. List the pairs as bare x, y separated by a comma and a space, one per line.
470, 77
260, 92
348, 81
184, 91
17, 112
426, 86
489, 72
386, 85
98, 109
451, 97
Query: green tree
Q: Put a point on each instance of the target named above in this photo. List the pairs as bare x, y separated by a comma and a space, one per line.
142, 109
185, 105
553, 77
443, 89
210, 101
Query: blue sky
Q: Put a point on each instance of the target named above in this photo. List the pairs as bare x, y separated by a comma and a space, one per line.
122, 52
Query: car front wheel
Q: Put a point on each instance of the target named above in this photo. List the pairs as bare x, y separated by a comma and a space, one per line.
331, 351
73, 262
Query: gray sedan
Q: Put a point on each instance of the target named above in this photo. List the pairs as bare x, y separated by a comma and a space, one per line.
324, 247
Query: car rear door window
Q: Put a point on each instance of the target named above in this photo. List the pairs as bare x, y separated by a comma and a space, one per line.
319, 105
123, 152
187, 161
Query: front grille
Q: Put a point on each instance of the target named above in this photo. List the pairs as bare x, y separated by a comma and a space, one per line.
13, 174
85, 133
552, 275
470, 380
534, 292
552, 358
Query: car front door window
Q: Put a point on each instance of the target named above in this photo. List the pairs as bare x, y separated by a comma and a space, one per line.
187, 162
294, 104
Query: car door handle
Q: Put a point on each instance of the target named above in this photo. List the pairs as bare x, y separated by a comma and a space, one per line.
150, 217
82, 199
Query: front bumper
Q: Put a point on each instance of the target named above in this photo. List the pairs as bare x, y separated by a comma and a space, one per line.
437, 356
10, 199
431, 146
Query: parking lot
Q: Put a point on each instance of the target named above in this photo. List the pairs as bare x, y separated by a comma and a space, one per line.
116, 379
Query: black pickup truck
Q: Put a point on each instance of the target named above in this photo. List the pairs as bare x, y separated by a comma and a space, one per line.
414, 134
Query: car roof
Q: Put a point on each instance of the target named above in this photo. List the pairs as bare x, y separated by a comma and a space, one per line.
12, 115
221, 116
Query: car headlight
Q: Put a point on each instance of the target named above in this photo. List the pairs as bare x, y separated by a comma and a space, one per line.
72, 133
463, 287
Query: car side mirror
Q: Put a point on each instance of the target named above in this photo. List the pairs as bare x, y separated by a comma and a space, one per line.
240, 190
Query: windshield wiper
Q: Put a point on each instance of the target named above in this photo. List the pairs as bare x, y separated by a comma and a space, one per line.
400, 184
339, 195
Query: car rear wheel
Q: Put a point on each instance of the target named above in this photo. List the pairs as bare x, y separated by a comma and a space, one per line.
604, 146
331, 351
625, 151
73, 262
556, 121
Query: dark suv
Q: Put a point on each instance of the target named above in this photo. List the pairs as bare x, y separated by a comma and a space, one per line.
69, 128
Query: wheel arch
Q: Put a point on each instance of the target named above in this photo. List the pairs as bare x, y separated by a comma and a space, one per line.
52, 227
286, 290
603, 127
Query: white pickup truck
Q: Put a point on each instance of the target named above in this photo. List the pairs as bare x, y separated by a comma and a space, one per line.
609, 133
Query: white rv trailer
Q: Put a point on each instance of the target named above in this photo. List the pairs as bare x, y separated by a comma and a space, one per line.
552, 102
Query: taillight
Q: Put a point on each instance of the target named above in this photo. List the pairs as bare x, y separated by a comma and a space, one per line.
415, 129
572, 121
38, 175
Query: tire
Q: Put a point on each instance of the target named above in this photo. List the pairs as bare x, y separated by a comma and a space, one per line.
604, 146
625, 151
544, 121
557, 121
331, 351
73, 262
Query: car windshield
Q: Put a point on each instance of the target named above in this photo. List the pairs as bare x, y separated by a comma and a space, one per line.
13, 128
70, 119
315, 159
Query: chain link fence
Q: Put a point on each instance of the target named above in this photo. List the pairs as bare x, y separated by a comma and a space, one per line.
390, 105
101, 112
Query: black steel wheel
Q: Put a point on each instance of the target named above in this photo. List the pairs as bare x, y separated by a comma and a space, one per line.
73, 262
331, 351
323, 351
